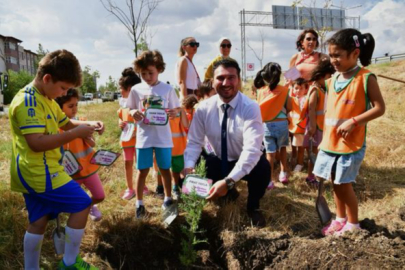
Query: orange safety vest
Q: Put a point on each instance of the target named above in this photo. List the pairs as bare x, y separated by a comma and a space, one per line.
83, 153
123, 114
179, 136
272, 102
319, 110
294, 118
341, 106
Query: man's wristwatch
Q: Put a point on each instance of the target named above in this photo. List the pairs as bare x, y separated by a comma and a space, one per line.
230, 183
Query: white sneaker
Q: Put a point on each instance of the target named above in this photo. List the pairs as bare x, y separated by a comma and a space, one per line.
95, 214
298, 168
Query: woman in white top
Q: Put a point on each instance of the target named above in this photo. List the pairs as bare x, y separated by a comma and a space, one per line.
186, 73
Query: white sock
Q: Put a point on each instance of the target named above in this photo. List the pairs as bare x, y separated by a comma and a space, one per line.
353, 225
167, 199
139, 203
73, 240
32, 250
340, 219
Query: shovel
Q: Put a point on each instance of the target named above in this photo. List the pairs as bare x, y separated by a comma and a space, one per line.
170, 214
324, 213
58, 236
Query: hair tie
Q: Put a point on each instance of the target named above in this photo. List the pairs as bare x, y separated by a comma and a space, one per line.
356, 41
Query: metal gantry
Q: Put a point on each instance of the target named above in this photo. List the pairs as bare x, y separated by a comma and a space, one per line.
290, 18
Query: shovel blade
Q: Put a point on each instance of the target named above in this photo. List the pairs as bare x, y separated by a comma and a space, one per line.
324, 213
59, 241
170, 214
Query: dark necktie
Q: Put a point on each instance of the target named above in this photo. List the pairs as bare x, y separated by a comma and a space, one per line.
224, 147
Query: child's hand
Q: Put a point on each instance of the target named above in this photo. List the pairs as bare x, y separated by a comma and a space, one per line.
122, 124
137, 115
311, 130
172, 112
345, 128
98, 126
83, 131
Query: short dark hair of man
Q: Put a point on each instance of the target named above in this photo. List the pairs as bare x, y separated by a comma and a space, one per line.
227, 63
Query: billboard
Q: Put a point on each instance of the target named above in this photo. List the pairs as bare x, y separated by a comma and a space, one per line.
288, 17
285, 17
332, 19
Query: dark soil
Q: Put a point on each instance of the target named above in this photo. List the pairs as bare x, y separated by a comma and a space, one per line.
146, 246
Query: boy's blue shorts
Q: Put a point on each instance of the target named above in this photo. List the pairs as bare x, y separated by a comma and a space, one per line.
275, 135
144, 157
69, 198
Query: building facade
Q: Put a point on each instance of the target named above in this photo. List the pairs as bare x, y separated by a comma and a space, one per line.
14, 57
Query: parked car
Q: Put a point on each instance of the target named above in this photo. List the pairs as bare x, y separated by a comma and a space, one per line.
88, 96
117, 95
108, 96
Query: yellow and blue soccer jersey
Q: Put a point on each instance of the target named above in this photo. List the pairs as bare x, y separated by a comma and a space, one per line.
31, 112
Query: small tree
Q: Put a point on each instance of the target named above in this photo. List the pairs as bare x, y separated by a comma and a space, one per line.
258, 56
41, 52
135, 19
321, 30
193, 206
89, 80
16, 81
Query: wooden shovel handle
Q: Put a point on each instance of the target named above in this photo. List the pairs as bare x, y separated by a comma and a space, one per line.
389, 78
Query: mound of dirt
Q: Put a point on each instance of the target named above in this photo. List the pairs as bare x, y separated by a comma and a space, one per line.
373, 247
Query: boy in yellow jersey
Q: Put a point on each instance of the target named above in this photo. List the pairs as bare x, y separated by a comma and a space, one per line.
36, 169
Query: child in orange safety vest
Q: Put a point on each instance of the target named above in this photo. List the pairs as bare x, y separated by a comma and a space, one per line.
353, 99
298, 99
83, 151
273, 101
178, 126
127, 80
313, 113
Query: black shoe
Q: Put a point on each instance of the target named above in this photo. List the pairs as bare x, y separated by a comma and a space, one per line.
167, 204
160, 192
257, 218
231, 196
140, 212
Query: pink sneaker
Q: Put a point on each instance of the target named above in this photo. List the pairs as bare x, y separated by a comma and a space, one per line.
271, 186
283, 178
95, 214
333, 227
347, 227
145, 190
128, 194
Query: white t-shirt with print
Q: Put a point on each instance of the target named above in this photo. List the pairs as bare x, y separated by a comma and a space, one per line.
161, 95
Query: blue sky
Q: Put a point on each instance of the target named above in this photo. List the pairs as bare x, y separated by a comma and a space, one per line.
100, 41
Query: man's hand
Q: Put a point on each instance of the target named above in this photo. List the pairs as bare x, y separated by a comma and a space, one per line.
186, 171
219, 189
122, 124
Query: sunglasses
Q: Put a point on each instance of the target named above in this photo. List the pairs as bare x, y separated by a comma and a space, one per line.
309, 39
194, 44
223, 46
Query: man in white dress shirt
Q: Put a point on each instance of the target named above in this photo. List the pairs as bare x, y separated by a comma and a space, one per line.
232, 124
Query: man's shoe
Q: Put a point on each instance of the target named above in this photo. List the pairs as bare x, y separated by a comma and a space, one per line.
257, 218
78, 265
140, 212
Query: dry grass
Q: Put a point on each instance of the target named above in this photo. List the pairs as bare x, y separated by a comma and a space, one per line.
288, 209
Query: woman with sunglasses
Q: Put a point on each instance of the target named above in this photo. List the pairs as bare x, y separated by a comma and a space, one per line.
224, 45
307, 58
186, 73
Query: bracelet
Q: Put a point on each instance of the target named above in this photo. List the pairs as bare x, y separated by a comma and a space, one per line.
356, 124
